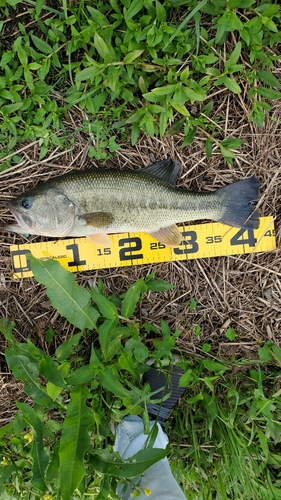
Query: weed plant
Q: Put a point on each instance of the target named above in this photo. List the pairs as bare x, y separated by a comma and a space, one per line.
225, 434
128, 66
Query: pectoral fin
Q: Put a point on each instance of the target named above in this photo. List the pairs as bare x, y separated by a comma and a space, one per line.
97, 219
170, 235
100, 239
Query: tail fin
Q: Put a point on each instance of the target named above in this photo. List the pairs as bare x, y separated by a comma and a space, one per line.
239, 200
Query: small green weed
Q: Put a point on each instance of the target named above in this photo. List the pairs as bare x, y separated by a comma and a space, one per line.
225, 436
61, 444
227, 433
131, 66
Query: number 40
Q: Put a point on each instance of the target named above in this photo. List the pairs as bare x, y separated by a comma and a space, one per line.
241, 239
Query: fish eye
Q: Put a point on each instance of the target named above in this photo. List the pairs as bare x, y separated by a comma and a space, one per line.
26, 203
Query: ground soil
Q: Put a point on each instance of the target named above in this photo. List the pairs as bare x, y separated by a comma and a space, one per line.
240, 292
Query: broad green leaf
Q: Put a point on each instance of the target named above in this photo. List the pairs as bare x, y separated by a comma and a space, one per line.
6, 327
97, 16
87, 372
6, 94
65, 350
127, 95
6, 429
181, 109
81, 375
232, 85
159, 285
186, 378
132, 297
49, 369
265, 354
11, 108
125, 361
166, 90
22, 55
94, 360
38, 453
53, 390
27, 372
234, 56
131, 56
214, 365
107, 308
163, 123
134, 8
112, 78
276, 353
209, 147
105, 331
230, 334
226, 152
74, 442
234, 21
269, 93
111, 382
268, 78
142, 84
39, 6
155, 108
70, 299
148, 125
149, 96
269, 24
135, 133
101, 46
110, 463
89, 72
41, 45
53, 466
141, 353
232, 143
160, 11
192, 95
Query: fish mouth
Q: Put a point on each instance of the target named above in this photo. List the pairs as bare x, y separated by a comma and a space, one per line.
23, 222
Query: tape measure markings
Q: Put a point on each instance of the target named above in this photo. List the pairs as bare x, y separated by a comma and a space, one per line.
127, 249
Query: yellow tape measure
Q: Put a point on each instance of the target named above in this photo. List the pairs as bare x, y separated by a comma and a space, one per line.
130, 249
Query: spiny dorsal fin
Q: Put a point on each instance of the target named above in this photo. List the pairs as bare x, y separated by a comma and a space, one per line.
166, 170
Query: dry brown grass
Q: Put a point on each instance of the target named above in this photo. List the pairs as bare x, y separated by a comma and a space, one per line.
242, 292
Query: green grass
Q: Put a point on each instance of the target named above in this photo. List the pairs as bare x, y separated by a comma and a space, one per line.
127, 67
225, 435
227, 444
123, 68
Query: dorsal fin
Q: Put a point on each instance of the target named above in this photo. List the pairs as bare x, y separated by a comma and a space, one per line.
165, 170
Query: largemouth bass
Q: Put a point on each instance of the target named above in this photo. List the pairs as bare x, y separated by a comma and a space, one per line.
99, 201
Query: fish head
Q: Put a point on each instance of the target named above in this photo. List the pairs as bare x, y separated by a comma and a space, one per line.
43, 212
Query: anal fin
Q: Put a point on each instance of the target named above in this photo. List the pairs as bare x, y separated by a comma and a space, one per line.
100, 239
170, 235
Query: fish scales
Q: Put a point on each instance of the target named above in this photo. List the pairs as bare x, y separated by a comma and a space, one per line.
154, 204
96, 202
